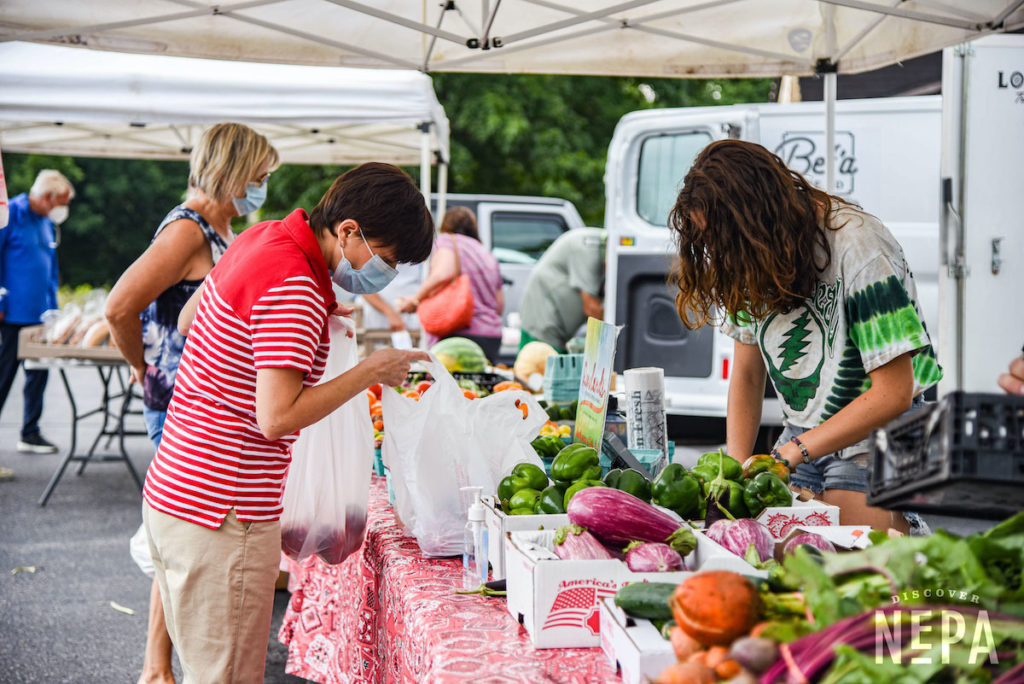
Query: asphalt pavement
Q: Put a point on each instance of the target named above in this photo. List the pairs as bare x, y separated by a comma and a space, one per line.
57, 624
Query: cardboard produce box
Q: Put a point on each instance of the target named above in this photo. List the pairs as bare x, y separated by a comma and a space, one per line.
783, 519
634, 646
556, 600
499, 524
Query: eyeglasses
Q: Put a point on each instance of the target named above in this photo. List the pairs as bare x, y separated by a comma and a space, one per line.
262, 179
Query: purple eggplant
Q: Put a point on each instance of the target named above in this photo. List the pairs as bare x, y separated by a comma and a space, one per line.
652, 557
573, 542
618, 518
738, 535
815, 540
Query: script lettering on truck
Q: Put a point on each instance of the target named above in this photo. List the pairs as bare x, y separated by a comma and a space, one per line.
804, 152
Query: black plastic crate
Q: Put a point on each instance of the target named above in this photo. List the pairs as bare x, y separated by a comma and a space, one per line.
963, 455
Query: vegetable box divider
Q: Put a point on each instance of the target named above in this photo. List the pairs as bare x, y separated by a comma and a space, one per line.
499, 524
634, 646
556, 600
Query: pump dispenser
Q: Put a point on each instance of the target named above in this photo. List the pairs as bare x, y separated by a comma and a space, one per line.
474, 550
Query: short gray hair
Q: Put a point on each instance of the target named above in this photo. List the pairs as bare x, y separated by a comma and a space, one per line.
50, 182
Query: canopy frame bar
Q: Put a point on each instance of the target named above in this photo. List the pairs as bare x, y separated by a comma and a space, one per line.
915, 15
579, 18
129, 23
862, 34
399, 20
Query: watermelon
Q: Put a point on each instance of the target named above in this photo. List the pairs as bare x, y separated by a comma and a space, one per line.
460, 355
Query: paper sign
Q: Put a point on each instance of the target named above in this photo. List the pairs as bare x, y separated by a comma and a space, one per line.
598, 356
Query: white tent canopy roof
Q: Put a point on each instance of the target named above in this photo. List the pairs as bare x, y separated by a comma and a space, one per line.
690, 38
60, 100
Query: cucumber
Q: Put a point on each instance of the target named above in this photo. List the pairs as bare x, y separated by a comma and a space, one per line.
646, 599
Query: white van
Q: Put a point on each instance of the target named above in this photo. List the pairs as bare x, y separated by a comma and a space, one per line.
887, 159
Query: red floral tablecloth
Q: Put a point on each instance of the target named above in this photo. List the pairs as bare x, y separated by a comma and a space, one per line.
388, 614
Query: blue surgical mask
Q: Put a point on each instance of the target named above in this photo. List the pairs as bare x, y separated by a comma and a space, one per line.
255, 196
373, 277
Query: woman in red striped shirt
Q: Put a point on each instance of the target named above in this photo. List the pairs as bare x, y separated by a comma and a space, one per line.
245, 386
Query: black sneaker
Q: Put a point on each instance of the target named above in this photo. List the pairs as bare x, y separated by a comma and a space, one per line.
36, 444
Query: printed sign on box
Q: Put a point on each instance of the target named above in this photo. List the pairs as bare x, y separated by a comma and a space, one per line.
598, 357
499, 524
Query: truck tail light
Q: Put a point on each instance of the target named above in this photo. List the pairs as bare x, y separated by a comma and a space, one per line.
725, 369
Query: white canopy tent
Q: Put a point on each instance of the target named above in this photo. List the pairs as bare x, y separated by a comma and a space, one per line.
59, 100
675, 38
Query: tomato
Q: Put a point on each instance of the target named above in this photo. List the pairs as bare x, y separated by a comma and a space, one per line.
424, 386
378, 390
469, 394
412, 395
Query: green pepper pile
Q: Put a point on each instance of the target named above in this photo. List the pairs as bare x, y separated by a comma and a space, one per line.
527, 490
730, 489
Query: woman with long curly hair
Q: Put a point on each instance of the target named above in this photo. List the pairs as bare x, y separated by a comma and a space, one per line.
818, 297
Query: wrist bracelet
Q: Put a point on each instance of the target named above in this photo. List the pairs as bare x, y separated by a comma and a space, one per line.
778, 457
803, 449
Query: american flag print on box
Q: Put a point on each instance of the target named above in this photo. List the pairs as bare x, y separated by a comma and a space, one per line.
575, 604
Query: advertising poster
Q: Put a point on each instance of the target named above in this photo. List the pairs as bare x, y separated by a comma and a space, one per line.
598, 356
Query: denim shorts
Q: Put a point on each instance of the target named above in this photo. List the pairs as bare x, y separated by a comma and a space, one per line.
845, 469
154, 424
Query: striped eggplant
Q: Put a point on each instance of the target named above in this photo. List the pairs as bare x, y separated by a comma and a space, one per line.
618, 518
573, 542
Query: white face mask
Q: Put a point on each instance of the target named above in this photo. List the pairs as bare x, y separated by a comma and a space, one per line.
58, 214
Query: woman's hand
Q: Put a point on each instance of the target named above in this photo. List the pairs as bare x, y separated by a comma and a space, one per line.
136, 374
408, 304
390, 366
395, 321
344, 310
1013, 381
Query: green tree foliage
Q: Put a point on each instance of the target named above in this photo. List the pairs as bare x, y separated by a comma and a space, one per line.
519, 135
117, 207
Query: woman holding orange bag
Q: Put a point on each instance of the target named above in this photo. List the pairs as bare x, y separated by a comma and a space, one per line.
458, 251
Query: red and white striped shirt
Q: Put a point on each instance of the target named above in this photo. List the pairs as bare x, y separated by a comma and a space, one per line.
265, 305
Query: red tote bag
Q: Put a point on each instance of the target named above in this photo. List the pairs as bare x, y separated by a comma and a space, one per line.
451, 308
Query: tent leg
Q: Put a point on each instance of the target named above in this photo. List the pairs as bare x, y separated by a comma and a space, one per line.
830, 133
425, 162
442, 194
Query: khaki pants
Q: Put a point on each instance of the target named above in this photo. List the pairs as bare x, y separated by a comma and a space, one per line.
217, 590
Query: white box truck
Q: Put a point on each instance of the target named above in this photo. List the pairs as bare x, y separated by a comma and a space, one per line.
981, 275
887, 160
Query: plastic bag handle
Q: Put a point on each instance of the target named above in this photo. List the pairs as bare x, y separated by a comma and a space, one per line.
438, 371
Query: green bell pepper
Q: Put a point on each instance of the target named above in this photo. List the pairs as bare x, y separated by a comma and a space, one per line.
524, 498
547, 446
575, 462
766, 489
552, 500
759, 463
510, 485
725, 497
703, 475
577, 486
554, 412
629, 481
534, 475
676, 490
733, 468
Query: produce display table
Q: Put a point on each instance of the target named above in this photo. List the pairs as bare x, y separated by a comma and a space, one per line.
388, 614
114, 401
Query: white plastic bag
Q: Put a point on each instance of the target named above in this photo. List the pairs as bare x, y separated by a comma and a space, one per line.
138, 545
445, 441
328, 483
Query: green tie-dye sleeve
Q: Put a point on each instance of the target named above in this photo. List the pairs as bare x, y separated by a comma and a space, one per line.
885, 321
739, 327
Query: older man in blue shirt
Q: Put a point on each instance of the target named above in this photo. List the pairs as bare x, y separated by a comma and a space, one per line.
28, 287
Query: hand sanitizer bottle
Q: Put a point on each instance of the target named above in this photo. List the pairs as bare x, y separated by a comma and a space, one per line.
474, 550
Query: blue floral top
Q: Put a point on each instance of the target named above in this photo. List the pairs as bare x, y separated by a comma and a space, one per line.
162, 343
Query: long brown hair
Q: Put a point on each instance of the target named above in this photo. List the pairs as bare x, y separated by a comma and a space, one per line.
460, 220
748, 235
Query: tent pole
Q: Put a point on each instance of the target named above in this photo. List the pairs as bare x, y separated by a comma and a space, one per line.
425, 161
830, 100
442, 193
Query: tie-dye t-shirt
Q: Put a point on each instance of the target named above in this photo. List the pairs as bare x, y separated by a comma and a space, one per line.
863, 314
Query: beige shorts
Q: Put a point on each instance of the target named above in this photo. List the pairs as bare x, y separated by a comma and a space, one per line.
217, 590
